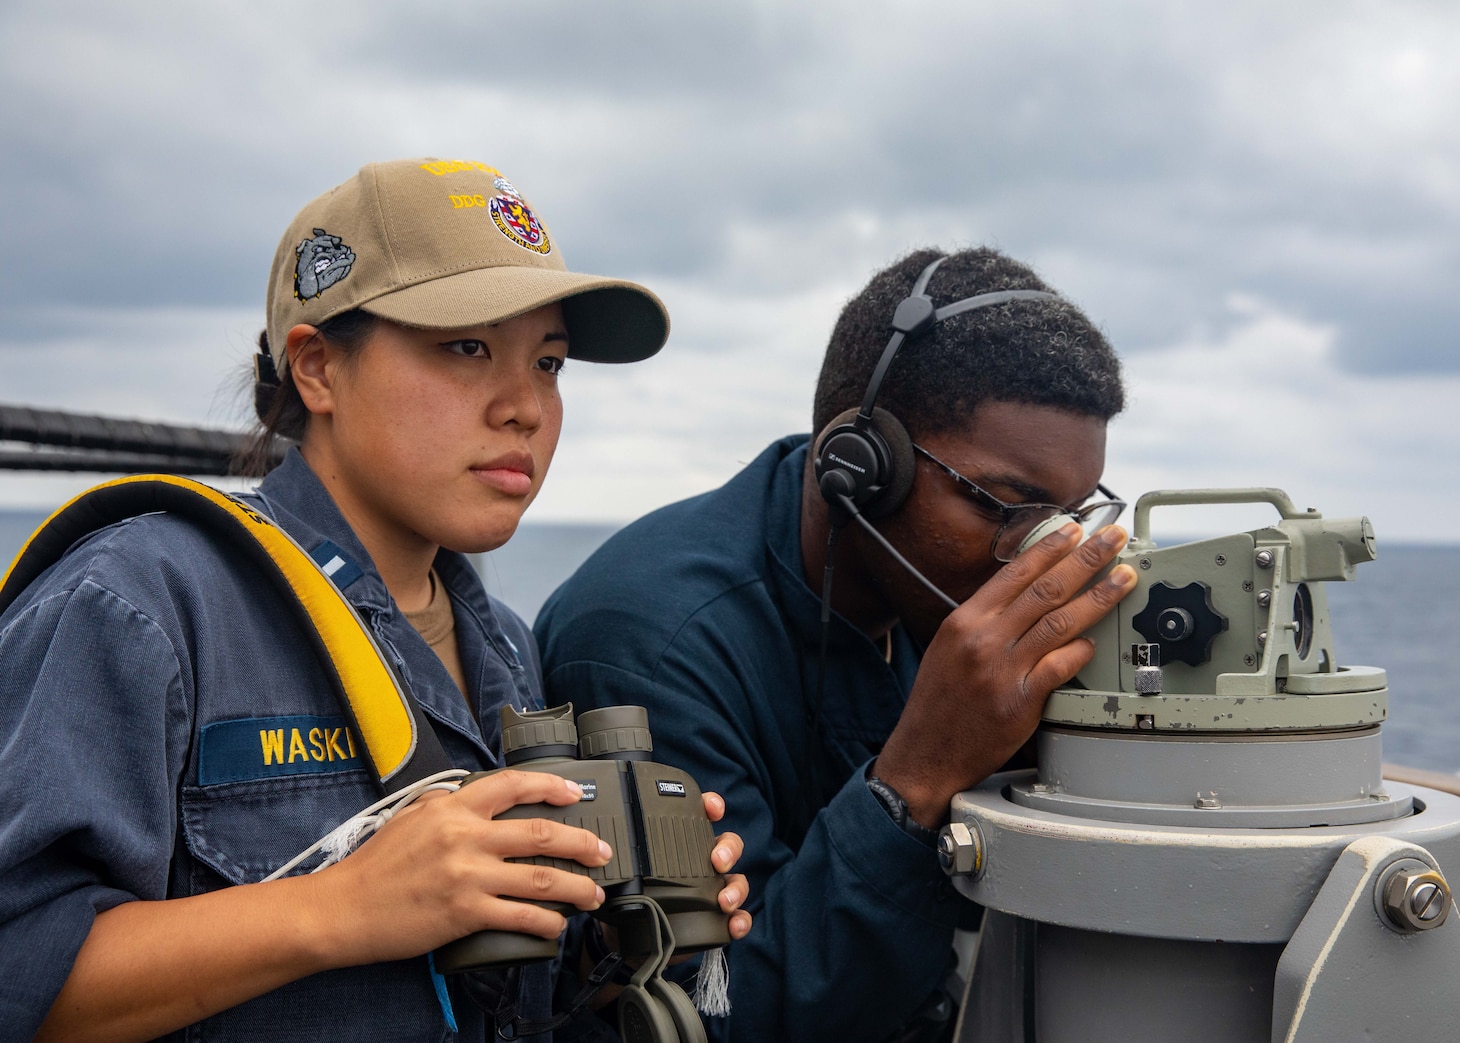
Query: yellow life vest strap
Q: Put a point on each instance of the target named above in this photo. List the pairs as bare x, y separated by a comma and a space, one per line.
399, 741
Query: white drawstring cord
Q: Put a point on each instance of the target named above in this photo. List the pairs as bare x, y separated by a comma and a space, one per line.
712, 985
348, 835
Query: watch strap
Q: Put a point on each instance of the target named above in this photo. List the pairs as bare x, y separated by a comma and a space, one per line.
896, 808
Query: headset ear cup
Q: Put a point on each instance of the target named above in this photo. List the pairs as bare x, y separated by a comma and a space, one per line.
854, 453
901, 467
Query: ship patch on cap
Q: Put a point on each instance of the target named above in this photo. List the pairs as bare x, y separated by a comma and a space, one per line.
515, 218
323, 261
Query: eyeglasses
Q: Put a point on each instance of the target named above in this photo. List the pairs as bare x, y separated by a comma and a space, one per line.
1018, 520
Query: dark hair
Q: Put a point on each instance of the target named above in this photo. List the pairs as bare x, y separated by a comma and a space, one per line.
281, 412
1039, 352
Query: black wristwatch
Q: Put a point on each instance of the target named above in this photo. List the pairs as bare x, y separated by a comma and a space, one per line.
896, 808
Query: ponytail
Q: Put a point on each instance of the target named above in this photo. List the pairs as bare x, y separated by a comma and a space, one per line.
283, 416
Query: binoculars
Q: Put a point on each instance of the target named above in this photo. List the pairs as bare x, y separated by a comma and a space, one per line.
651, 815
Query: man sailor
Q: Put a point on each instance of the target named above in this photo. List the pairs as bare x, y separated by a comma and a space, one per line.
838, 739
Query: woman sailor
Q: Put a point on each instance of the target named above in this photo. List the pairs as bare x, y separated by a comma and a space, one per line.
165, 732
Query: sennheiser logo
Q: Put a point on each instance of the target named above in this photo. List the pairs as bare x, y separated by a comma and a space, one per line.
670, 789
845, 463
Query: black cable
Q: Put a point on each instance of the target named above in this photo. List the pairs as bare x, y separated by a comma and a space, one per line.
813, 712
856, 515
848, 510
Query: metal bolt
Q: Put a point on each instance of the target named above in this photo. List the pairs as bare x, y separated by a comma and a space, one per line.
1221, 559
1261, 638
960, 849
1415, 897
1426, 900
1145, 563
1208, 803
1146, 722
1249, 659
1247, 585
1041, 787
1265, 558
1264, 598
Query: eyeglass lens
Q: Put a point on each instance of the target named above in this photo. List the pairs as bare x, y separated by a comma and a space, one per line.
1023, 521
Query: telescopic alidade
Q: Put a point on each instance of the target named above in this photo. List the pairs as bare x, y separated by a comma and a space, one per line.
1208, 849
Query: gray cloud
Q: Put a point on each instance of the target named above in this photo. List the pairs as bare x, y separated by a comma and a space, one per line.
1162, 155
757, 161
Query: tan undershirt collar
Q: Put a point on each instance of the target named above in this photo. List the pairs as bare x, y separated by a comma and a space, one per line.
437, 624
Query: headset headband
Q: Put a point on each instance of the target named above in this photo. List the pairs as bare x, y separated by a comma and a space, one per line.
916, 315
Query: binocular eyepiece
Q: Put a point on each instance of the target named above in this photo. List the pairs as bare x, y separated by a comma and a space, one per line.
651, 815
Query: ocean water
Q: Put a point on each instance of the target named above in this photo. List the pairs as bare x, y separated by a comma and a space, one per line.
1401, 612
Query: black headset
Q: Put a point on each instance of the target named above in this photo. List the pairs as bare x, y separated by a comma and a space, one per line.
865, 457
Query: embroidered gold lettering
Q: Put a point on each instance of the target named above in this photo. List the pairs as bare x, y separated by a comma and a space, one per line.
332, 745
316, 742
350, 741
296, 746
272, 743
441, 167
457, 202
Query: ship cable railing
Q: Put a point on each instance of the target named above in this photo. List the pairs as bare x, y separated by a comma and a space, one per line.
59, 440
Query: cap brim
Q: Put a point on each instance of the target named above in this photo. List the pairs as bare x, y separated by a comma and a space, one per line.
609, 320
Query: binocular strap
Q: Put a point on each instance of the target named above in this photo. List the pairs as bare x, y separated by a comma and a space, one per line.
651, 1010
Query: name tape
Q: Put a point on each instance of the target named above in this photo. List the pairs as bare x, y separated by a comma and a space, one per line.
271, 747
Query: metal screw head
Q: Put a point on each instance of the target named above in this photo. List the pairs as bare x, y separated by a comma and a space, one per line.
1265, 558
1247, 585
1175, 624
1415, 897
960, 849
1145, 563
1427, 901
1264, 598
1221, 559
1208, 803
1146, 722
1249, 659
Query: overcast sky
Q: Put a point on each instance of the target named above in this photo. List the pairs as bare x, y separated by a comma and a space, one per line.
1259, 202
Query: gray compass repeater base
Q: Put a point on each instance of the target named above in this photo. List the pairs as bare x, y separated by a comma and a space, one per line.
1208, 850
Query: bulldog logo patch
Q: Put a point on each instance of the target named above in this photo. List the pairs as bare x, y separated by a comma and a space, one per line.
323, 261
516, 220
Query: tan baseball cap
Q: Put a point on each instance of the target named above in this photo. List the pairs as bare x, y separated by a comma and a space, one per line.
444, 244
